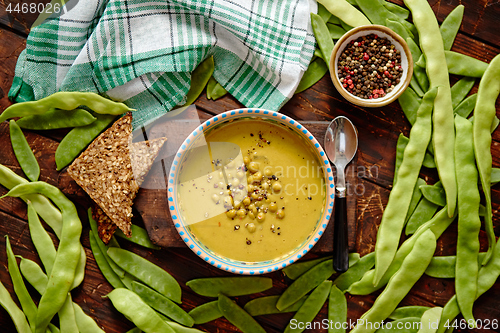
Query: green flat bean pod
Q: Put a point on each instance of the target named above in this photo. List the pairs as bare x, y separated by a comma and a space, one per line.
305, 283
465, 108
401, 12
139, 236
84, 322
486, 278
137, 311
23, 152
469, 223
147, 272
485, 113
346, 11
434, 194
398, 28
34, 274
210, 85
23, 296
199, 79
54, 119
356, 272
443, 267
395, 213
408, 325
461, 64
41, 239
495, 176
451, 24
297, 269
408, 311
162, 304
460, 90
181, 329
67, 319
443, 136
322, 36
267, 305
65, 100
333, 20
415, 199
311, 307
376, 12
316, 70
424, 211
237, 316
230, 286
412, 268
324, 13
13, 310
337, 310
335, 31
218, 91
438, 224
206, 312
68, 252
410, 102
103, 264
429, 320
78, 139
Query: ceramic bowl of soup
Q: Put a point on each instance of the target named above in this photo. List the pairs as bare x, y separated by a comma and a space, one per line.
250, 191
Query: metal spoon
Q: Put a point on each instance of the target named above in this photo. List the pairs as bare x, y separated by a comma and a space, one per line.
341, 143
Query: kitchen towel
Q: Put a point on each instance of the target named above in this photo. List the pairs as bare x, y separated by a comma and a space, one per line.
143, 52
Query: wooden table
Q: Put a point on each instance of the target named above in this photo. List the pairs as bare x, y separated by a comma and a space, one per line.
371, 176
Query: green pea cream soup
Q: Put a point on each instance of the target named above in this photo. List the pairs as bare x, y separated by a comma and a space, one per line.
254, 192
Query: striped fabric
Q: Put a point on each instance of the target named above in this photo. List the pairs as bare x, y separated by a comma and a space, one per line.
142, 52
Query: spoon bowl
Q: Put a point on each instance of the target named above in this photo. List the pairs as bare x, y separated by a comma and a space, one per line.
341, 143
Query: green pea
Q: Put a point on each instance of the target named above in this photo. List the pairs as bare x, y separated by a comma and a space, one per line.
199, 79
414, 311
139, 236
311, 307
237, 316
162, 304
337, 310
230, 286
465, 108
356, 272
267, 305
206, 312
78, 139
305, 283
54, 119
23, 152
460, 90
137, 311
450, 26
147, 272
316, 70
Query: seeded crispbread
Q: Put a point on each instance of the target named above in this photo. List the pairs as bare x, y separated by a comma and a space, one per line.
105, 170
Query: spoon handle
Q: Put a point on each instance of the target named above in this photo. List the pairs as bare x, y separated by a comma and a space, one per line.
340, 246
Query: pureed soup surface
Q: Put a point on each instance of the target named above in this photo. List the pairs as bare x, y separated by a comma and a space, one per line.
254, 193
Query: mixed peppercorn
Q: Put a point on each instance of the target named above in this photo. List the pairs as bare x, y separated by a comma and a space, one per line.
370, 67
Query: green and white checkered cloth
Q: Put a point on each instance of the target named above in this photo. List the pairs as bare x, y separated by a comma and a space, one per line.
143, 52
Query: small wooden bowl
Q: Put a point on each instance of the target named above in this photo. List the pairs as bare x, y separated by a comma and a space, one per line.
406, 63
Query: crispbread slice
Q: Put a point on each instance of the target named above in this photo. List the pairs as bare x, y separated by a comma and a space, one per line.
104, 171
143, 155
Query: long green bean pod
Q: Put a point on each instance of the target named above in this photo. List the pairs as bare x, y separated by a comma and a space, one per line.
438, 224
429, 318
443, 135
199, 79
486, 278
469, 223
65, 100
322, 36
68, 252
23, 152
395, 213
451, 24
13, 310
401, 282
485, 112
337, 310
348, 13
41, 239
